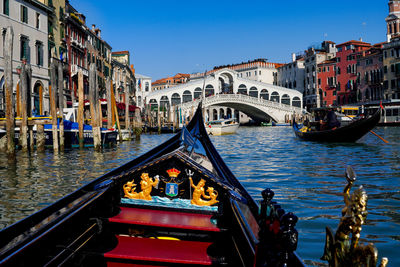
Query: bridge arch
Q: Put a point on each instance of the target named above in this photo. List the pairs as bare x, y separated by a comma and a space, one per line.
285, 99
197, 93
226, 79
296, 102
153, 104
264, 94
164, 102
186, 96
242, 89
175, 99
275, 97
253, 92
209, 91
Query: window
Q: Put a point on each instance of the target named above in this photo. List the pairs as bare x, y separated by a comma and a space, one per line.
6, 7
24, 14
37, 20
24, 48
39, 53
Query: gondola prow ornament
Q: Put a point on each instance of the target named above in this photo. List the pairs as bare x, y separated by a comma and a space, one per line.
339, 249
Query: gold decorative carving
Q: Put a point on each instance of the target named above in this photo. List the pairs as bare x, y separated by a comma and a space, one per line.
339, 249
146, 184
198, 193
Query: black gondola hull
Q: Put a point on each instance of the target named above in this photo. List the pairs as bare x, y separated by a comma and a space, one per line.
105, 222
349, 133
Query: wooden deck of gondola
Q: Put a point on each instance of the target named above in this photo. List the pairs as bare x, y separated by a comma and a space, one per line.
159, 251
131, 250
167, 219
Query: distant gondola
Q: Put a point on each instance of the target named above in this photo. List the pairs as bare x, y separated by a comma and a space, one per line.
348, 133
176, 205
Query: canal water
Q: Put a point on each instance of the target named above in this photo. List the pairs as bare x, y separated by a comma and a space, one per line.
307, 178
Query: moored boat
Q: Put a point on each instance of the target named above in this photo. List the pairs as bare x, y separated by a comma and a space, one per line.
347, 133
178, 204
222, 127
71, 134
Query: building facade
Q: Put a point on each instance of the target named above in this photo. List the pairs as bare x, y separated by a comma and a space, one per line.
75, 40
370, 74
143, 89
29, 20
326, 82
314, 56
123, 77
346, 70
291, 75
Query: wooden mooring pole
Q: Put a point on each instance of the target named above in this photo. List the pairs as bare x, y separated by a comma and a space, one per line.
137, 124
114, 110
80, 108
24, 87
94, 107
61, 103
53, 101
127, 119
109, 105
10, 120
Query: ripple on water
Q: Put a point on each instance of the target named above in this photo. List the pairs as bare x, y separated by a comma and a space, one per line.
307, 177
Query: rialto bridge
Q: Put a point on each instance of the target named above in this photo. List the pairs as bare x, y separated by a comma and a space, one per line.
225, 94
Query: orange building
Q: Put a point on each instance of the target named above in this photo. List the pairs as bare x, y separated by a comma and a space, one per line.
179, 78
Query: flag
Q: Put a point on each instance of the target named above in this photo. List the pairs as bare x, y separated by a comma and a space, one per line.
140, 85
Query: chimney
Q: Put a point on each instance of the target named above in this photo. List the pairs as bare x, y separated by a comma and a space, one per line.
293, 57
93, 27
360, 39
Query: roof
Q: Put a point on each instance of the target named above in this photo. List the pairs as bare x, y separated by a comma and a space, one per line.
120, 53
328, 62
359, 43
140, 76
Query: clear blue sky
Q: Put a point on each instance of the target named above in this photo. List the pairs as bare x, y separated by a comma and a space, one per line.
166, 37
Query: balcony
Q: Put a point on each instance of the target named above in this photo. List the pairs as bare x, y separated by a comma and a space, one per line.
75, 69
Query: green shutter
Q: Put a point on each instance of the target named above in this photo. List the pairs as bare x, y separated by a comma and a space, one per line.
6, 7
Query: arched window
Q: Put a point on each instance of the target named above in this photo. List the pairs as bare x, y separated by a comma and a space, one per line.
253, 92
215, 114
197, 93
221, 113
2, 94
264, 94
275, 97
187, 96
37, 93
139, 99
229, 113
164, 103
285, 99
175, 99
209, 90
153, 104
296, 102
242, 89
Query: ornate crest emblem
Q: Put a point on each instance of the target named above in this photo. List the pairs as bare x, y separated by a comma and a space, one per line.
171, 187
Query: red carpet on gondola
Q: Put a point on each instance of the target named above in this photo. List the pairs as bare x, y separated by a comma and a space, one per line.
169, 219
158, 250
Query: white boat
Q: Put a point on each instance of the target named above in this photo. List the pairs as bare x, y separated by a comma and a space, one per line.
221, 127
